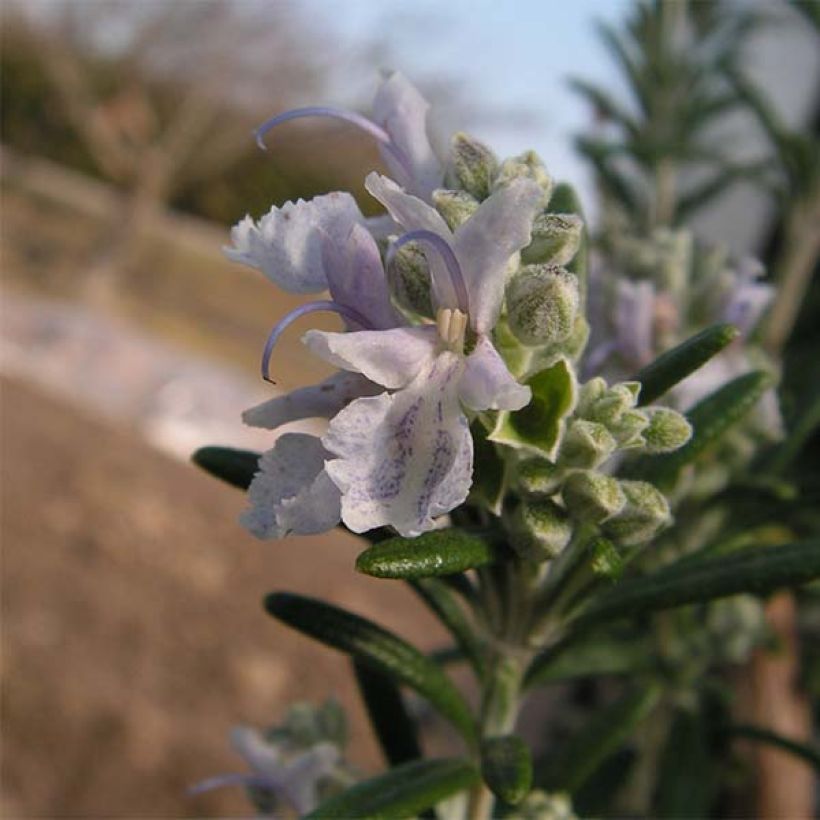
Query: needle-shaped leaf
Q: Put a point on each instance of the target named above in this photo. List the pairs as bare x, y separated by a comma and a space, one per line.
237, 467
810, 752
393, 726
439, 552
506, 766
374, 646
679, 362
402, 792
758, 570
599, 738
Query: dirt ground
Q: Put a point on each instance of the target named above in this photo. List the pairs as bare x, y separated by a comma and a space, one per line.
132, 633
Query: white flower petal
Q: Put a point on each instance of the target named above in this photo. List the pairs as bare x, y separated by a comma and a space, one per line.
403, 458
321, 400
401, 110
286, 243
487, 384
388, 357
291, 493
356, 278
483, 245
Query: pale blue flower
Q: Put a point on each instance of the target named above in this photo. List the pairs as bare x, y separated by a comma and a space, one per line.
292, 779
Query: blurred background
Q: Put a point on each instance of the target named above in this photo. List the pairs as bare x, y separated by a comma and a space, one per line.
133, 638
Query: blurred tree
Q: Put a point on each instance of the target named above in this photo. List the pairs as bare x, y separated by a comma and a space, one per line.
657, 156
160, 95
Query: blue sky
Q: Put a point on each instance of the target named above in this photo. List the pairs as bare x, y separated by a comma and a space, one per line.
505, 54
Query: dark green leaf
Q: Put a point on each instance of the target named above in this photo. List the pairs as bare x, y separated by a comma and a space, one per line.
676, 364
758, 570
599, 738
808, 752
489, 471
237, 467
376, 647
507, 767
605, 560
588, 658
402, 792
438, 552
393, 726
537, 427
710, 419
441, 599
686, 778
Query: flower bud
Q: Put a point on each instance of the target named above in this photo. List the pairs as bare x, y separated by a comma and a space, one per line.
455, 206
592, 497
527, 165
609, 405
588, 396
629, 429
542, 303
540, 530
472, 165
667, 431
555, 239
646, 510
586, 444
409, 277
538, 478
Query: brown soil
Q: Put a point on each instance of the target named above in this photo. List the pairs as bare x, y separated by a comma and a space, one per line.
133, 636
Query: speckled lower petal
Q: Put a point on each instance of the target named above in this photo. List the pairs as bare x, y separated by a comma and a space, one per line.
392, 358
405, 458
292, 493
321, 401
286, 243
483, 244
487, 384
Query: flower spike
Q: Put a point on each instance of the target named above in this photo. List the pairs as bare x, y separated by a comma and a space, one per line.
358, 120
444, 250
297, 313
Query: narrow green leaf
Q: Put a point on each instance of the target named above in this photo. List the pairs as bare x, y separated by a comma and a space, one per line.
537, 427
402, 792
710, 419
441, 599
438, 552
506, 766
588, 658
388, 716
373, 646
600, 737
237, 467
676, 364
808, 752
686, 783
758, 570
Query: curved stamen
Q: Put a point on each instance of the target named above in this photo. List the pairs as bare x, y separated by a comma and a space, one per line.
358, 120
439, 244
304, 310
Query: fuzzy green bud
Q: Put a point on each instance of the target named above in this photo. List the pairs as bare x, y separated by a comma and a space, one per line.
609, 405
409, 277
588, 396
592, 497
629, 429
540, 530
542, 303
645, 512
537, 477
555, 239
667, 431
586, 444
527, 165
455, 206
472, 165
